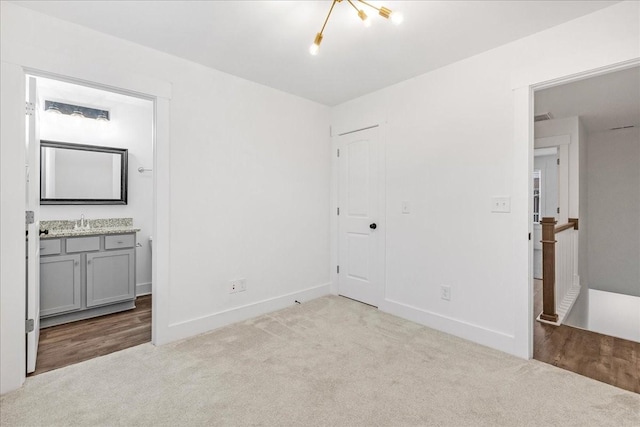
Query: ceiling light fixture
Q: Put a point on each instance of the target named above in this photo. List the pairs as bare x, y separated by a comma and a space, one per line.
395, 17
77, 111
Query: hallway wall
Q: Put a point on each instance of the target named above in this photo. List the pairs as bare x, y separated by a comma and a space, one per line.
613, 186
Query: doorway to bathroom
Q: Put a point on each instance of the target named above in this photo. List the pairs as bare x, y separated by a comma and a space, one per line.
90, 187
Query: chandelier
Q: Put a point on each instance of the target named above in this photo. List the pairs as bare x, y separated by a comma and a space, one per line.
395, 17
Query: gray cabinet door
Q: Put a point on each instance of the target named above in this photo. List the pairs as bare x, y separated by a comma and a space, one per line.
110, 277
59, 284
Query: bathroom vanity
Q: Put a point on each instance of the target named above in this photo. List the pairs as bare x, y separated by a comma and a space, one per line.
88, 271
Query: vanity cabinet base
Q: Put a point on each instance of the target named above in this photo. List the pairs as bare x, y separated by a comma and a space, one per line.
85, 277
46, 322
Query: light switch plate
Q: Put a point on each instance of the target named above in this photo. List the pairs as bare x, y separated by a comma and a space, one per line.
501, 204
406, 208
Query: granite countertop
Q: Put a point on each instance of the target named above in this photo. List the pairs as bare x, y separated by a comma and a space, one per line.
67, 228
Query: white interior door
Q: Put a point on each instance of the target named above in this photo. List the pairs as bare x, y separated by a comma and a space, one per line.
546, 164
33, 229
358, 230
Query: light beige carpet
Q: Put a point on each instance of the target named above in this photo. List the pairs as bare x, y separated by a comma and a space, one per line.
329, 362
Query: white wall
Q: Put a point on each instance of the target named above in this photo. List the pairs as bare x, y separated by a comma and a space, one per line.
453, 140
244, 178
12, 229
130, 127
613, 185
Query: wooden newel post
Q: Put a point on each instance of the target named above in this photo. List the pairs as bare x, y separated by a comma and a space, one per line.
549, 269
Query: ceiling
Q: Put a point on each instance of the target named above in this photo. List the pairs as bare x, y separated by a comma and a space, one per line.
267, 41
603, 102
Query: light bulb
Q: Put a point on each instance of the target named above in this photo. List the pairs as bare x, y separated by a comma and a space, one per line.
364, 17
315, 47
77, 114
53, 108
397, 18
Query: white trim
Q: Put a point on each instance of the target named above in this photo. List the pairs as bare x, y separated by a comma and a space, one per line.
358, 130
552, 141
161, 254
333, 222
91, 84
382, 210
213, 321
522, 210
550, 151
468, 331
546, 84
143, 289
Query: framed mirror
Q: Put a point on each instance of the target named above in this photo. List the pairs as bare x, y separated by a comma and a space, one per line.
78, 174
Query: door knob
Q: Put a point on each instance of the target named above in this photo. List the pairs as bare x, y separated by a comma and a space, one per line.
373, 226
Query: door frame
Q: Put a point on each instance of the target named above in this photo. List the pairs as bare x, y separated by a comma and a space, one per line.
523, 154
382, 203
32, 204
159, 93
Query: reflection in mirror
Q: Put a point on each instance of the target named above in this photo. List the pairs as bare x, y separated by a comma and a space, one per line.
82, 174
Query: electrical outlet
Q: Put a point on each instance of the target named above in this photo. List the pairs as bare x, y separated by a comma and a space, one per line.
445, 292
406, 208
238, 285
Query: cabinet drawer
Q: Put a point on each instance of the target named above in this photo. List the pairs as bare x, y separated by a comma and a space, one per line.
83, 244
120, 241
49, 247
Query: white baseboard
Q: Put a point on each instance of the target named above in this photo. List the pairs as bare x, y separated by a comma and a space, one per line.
143, 289
213, 321
468, 331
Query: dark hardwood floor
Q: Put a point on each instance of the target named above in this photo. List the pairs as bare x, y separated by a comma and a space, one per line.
604, 358
75, 342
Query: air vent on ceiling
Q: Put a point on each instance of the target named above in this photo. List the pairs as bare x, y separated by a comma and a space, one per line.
542, 117
623, 127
